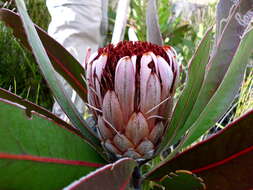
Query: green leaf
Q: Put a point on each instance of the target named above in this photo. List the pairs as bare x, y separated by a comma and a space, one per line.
222, 55
224, 161
116, 176
182, 179
63, 62
189, 96
47, 70
6, 95
222, 99
153, 29
38, 153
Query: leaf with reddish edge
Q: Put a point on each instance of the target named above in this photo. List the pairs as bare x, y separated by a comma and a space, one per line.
63, 62
222, 56
153, 29
182, 180
56, 87
29, 106
37, 152
224, 160
116, 176
189, 96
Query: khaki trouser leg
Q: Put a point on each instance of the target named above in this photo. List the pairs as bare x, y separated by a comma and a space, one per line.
76, 25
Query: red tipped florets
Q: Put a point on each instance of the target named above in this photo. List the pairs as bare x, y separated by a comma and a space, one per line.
129, 48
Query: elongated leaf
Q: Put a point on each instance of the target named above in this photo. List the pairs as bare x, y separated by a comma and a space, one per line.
121, 21
38, 153
153, 29
224, 161
6, 95
189, 96
114, 176
63, 62
225, 94
222, 56
47, 70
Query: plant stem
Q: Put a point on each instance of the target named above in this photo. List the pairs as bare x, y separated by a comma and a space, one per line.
136, 178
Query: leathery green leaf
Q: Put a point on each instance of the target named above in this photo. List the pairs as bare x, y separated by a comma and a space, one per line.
189, 96
38, 153
115, 176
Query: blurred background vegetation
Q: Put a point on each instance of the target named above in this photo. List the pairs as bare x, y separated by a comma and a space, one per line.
183, 24
19, 72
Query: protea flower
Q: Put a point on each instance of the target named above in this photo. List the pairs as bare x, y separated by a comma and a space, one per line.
130, 89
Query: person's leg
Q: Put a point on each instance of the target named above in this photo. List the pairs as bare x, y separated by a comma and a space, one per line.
76, 25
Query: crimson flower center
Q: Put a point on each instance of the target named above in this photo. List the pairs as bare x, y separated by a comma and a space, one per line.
129, 48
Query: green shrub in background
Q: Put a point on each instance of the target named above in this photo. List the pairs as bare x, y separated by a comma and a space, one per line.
18, 70
38, 11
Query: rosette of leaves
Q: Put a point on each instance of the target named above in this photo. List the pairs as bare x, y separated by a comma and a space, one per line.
40, 151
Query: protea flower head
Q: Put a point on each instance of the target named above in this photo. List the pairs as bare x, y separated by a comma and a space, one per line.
130, 89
